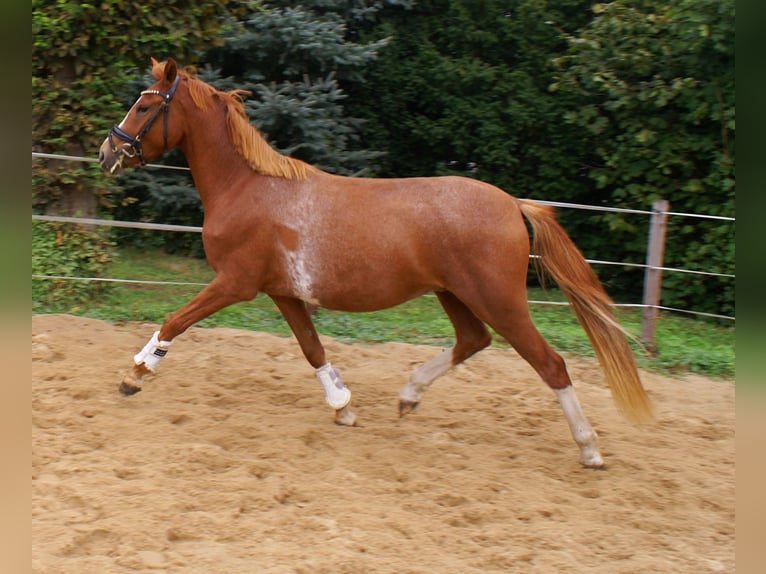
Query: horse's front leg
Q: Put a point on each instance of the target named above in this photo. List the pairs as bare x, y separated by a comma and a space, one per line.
213, 297
337, 395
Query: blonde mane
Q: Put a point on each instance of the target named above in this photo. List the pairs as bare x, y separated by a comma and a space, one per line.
246, 139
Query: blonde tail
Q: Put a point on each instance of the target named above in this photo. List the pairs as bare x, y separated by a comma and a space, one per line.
564, 262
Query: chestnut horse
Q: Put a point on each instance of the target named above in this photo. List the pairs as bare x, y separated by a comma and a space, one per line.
276, 225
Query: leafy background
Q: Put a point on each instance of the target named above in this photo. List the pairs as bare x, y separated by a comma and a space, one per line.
612, 104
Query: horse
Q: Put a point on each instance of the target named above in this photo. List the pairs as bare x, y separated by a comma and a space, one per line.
276, 225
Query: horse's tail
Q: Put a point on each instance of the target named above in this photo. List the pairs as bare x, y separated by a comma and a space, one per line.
564, 262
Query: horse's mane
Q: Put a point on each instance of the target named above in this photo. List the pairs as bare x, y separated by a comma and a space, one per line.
245, 137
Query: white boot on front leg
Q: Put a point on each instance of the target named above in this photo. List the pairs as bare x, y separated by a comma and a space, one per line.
582, 432
153, 352
144, 362
336, 394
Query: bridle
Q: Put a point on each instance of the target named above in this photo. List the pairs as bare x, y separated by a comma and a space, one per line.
133, 148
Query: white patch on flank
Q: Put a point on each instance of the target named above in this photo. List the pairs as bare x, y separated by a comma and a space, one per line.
301, 262
300, 276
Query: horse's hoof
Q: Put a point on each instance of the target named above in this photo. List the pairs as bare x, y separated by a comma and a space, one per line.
345, 417
592, 460
127, 389
406, 407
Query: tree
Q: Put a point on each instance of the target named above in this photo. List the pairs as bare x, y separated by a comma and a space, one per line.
83, 54
296, 59
617, 106
463, 88
654, 84
622, 104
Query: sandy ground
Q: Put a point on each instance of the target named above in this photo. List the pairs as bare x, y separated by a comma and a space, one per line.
229, 461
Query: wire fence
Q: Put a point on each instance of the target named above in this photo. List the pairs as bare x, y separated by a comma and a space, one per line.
195, 229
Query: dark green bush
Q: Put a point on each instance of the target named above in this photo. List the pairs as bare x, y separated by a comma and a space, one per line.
68, 250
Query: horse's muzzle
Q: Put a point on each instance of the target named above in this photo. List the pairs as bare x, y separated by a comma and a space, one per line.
109, 159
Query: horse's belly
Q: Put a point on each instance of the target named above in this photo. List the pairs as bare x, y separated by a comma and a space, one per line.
355, 300
351, 285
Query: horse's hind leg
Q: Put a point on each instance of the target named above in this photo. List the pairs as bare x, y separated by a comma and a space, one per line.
337, 395
522, 334
471, 336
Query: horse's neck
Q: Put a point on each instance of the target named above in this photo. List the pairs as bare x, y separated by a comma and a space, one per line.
214, 163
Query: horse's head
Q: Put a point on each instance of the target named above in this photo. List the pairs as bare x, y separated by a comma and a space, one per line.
139, 137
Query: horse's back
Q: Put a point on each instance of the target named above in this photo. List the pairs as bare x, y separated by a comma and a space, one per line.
437, 204
409, 236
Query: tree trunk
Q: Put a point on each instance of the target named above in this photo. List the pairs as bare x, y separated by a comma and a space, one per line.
76, 199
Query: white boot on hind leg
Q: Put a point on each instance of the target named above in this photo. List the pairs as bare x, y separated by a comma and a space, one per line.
421, 378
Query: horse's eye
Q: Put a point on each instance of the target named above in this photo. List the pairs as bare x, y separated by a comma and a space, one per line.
142, 109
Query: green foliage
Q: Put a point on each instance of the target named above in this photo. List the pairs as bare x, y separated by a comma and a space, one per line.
67, 250
608, 104
293, 60
162, 196
308, 122
619, 106
462, 88
655, 84
288, 43
297, 58
83, 54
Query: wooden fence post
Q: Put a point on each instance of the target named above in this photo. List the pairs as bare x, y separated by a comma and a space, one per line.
653, 275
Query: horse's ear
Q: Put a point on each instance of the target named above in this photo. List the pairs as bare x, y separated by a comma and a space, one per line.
156, 69
171, 70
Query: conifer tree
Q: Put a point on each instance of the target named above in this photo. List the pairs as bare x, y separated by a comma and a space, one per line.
296, 59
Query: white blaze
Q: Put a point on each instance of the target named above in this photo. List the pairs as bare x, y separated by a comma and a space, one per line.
123, 120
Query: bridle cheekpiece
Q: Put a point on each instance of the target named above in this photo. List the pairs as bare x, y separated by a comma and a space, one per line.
134, 142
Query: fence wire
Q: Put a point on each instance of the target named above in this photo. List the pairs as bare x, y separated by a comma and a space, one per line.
195, 229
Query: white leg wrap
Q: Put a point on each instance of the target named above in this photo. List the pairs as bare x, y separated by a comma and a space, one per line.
582, 432
152, 352
422, 377
335, 393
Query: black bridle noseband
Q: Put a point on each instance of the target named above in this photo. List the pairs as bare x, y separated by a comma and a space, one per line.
134, 143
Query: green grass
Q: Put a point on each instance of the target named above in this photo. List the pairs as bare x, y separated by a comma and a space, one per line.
683, 344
